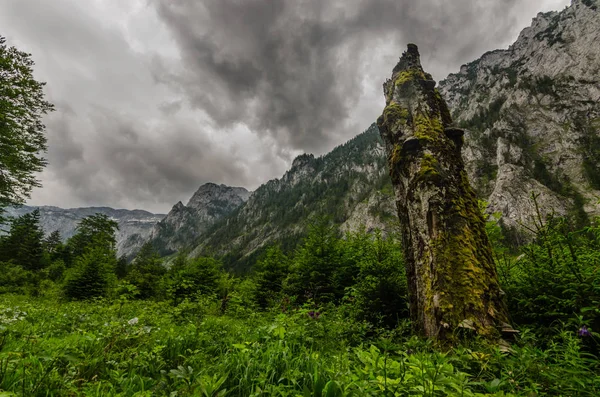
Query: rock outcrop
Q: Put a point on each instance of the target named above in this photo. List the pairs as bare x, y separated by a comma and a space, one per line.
185, 223
532, 114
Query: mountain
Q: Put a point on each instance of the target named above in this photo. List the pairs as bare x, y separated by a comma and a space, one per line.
185, 223
134, 225
350, 184
533, 117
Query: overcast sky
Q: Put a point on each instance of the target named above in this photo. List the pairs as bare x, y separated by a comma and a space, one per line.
156, 97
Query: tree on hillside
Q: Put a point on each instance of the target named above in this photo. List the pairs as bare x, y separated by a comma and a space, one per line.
94, 231
22, 138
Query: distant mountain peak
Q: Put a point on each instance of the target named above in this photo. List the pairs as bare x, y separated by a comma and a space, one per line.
303, 160
210, 192
184, 223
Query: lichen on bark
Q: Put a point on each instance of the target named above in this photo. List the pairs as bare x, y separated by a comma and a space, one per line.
452, 277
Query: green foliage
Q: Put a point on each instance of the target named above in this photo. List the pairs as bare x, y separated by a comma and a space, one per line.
55, 248
379, 292
556, 279
56, 270
121, 268
23, 245
145, 272
328, 319
22, 138
15, 279
315, 264
191, 279
148, 348
92, 275
271, 271
92, 232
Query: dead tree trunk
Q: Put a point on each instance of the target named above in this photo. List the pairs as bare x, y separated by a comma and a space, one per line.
451, 273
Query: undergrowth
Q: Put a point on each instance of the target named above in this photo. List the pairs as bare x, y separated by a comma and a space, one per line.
142, 348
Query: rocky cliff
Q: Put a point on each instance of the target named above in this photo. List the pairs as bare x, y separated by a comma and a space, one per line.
533, 117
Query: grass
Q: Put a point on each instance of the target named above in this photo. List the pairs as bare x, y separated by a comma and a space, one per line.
142, 348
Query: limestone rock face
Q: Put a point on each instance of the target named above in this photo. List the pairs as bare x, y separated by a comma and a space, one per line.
532, 115
185, 223
451, 274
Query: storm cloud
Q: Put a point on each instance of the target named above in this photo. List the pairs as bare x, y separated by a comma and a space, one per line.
155, 97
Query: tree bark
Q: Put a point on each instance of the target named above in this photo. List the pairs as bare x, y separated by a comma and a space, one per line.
452, 278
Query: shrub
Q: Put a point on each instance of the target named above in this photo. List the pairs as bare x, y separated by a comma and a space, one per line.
199, 276
556, 279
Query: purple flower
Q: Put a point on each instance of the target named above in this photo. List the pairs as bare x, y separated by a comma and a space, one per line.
314, 315
584, 331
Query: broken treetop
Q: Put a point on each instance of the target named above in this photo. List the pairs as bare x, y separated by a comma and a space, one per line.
414, 108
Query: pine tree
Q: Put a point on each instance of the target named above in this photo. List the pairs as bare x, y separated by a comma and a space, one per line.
315, 263
23, 246
122, 267
146, 271
271, 272
53, 242
92, 275
92, 232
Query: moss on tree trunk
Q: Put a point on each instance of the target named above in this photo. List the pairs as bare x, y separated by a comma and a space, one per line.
451, 273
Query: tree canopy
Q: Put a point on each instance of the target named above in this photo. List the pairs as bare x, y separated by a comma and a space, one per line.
22, 138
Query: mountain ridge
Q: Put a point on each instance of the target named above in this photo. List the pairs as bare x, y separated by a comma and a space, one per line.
134, 225
505, 113
532, 114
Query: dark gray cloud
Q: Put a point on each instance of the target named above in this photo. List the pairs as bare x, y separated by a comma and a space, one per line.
293, 69
155, 97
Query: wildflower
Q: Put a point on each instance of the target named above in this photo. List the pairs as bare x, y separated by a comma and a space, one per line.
584, 331
133, 321
314, 315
